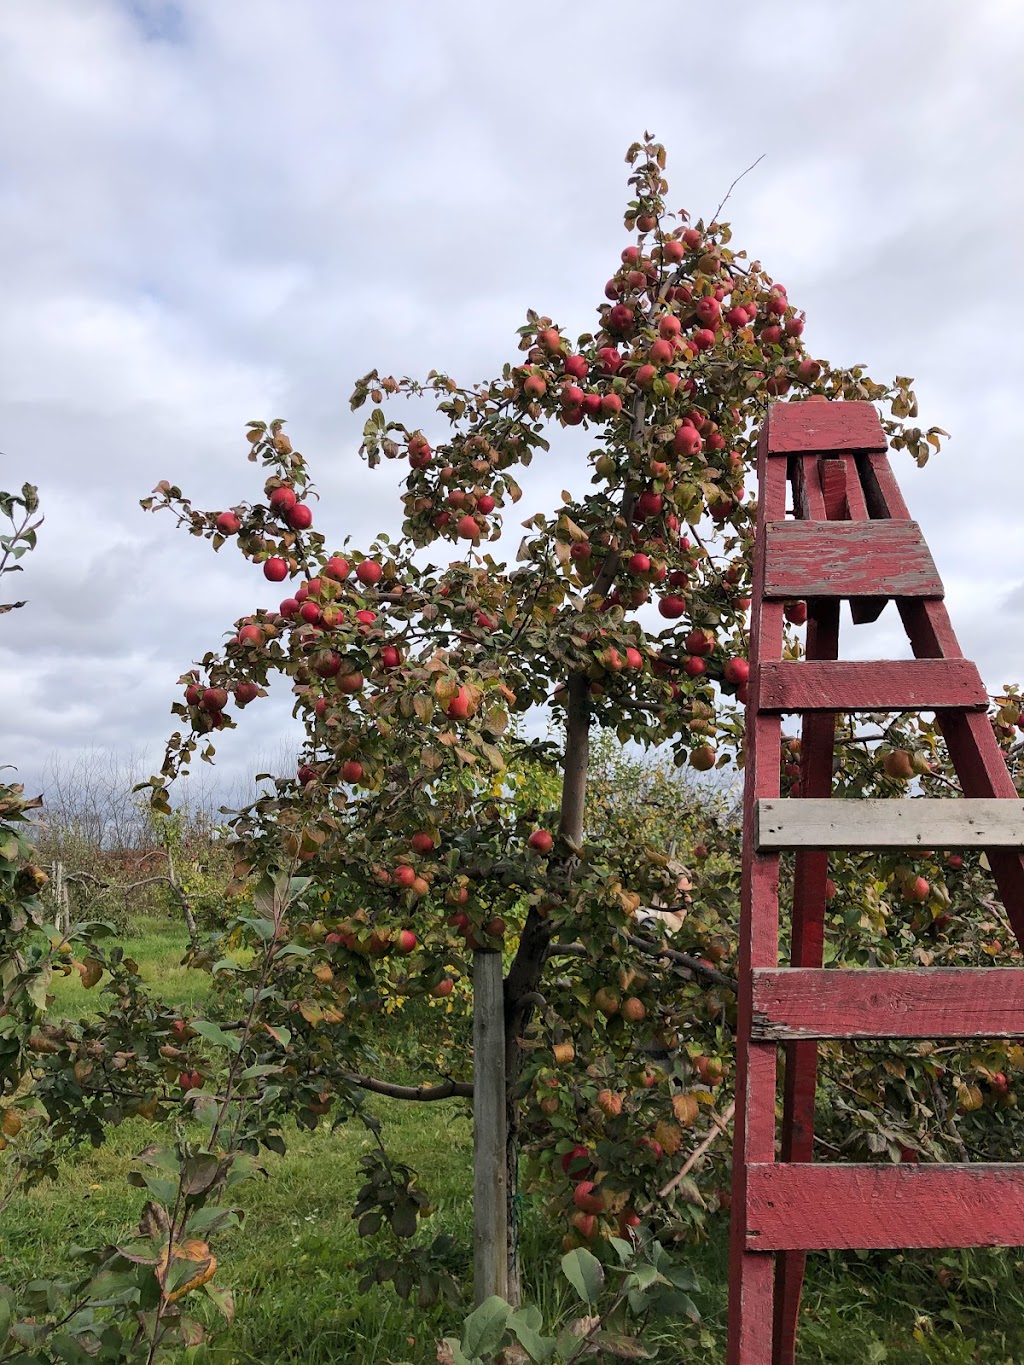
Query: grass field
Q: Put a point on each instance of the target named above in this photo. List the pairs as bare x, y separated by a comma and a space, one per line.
292, 1265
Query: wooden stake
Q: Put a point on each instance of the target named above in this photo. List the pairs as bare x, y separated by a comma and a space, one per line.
490, 1220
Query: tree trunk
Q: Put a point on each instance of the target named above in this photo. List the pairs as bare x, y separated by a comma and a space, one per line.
525, 973
186, 909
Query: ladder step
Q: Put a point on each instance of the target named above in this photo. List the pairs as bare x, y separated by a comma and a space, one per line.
791, 1003
813, 427
848, 559
856, 823
909, 685
798, 1207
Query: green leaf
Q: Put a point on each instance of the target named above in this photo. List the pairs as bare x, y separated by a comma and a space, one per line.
584, 1272
213, 1033
37, 987
456, 1355
526, 1323
483, 1330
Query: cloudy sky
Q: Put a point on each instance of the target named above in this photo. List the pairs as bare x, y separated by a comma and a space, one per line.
212, 211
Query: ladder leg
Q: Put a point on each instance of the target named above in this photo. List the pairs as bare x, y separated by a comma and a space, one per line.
809, 878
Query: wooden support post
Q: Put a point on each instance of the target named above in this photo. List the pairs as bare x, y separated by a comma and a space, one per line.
490, 1219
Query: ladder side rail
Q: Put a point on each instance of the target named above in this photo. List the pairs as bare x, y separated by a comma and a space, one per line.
819, 488
751, 1274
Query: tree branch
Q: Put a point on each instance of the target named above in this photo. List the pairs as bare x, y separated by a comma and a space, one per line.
693, 964
721, 1123
445, 1090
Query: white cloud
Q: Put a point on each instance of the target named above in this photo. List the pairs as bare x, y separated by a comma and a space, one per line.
215, 215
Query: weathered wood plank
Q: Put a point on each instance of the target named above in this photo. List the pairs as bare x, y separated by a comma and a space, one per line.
490, 1218
796, 427
885, 685
952, 822
822, 1207
849, 559
792, 1003
751, 1276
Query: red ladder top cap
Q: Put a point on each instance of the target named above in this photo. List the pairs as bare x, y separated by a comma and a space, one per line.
815, 427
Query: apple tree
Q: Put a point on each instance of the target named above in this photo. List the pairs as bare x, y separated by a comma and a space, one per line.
415, 809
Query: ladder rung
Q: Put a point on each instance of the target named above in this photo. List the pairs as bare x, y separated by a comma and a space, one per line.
866, 823
908, 685
848, 559
792, 1003
798, 1207
812, 427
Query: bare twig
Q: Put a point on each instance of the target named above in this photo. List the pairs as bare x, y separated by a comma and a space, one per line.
729, 191
721, 1122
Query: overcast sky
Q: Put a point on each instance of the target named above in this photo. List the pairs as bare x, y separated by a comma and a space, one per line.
212, 211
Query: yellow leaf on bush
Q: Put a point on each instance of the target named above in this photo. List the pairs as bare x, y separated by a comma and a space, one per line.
686, 1109
669, 1135
191, 1251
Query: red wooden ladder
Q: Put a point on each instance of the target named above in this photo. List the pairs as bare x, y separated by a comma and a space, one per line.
851, 538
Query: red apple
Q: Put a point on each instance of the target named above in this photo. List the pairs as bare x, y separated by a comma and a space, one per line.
406, 942
737, 671
276, 569
541, 841
351, 771
621, 320
467, 527
228, 524
369, 572
419, 451
336, 568
246, 692
422, 842
390, 657
585, 1198
444, 987
687, 441
458, 707
485, 504
672, 607
300, 517
282, 500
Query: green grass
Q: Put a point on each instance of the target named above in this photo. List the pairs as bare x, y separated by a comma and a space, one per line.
293, 1264
158, 950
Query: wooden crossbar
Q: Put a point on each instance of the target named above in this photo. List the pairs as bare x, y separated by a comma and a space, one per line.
840, 685
925, 1002
819, 1207
921, 823
848, 559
